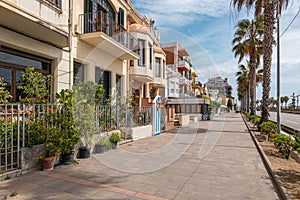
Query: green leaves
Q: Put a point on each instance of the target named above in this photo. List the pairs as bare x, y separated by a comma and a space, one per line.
4, 93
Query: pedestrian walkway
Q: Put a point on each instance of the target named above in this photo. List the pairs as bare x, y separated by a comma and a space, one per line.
205, 160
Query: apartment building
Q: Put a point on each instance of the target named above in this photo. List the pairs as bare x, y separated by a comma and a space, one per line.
147, 75
102, 45
178, 70
34, 33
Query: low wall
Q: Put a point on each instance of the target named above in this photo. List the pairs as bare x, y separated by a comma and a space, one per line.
193, 119
169, 126
29, 161
141, 132
184, 119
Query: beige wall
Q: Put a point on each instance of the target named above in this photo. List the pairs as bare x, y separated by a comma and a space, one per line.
42, 11
60, 58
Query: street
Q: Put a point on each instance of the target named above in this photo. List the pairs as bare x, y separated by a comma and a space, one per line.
287, 119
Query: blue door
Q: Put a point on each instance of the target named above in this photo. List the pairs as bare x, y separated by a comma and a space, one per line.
157, 114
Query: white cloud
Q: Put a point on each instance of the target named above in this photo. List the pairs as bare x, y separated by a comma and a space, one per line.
181, 13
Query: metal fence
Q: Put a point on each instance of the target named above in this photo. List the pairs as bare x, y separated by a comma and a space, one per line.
20, 125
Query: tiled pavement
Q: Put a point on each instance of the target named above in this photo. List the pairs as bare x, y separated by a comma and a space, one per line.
206, 160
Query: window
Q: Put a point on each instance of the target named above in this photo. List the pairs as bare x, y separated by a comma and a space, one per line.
164, 69
13, 63
104, 78
78, 75
141, 52
150, 54
56, 3
118, 85
121, 17
157, 67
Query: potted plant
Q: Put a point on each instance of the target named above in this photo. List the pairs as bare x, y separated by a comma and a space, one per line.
102, 145
70, 136
114, 138
52, 142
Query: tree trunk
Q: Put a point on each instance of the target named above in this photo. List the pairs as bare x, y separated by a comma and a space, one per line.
252, 75
267, 57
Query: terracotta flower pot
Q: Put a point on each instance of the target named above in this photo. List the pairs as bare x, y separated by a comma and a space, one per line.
48, 163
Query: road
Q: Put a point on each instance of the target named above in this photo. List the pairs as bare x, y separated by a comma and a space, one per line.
287, 119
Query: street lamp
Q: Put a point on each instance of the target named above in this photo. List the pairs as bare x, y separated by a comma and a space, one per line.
278, 71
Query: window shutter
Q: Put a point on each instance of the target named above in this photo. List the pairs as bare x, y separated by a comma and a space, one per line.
121, 17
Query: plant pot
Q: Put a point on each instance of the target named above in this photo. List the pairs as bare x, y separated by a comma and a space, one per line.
48, 163
84, 152
114, 145
99, 148
68, 157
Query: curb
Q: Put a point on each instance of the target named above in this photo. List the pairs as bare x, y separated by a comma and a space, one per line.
280, 190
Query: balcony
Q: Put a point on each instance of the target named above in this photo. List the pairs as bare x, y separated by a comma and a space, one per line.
100, 30
141, 74
183, 65
183, 81
19, 19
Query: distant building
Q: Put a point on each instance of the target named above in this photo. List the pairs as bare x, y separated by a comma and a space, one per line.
220, 90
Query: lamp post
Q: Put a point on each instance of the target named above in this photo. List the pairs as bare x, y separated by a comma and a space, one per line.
278, 71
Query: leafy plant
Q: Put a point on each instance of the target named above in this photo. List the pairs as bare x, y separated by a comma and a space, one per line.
13, 194
4, 93
66, 122
86, 96
114, 138
268, 127
297, 143
35, 86
284, 144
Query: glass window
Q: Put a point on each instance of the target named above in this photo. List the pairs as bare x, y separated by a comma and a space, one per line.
56, 3
164, 69
78, 75
150, 54
13, 63
20, 60
104, 78
118, 85
121, 17
157, 67
141, 52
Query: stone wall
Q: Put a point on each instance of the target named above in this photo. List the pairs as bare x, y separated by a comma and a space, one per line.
29, 161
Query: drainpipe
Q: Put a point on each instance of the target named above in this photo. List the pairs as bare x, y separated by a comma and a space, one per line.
70, 25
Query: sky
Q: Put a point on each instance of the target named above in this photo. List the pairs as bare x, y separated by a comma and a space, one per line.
205, 29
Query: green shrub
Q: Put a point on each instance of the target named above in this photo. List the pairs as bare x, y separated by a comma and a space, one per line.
297, 143
284, 144
114, 138
268, 127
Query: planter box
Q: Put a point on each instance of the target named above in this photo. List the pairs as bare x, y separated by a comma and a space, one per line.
140, 132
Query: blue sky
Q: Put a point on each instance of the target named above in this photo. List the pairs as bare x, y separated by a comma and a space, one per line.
205, 29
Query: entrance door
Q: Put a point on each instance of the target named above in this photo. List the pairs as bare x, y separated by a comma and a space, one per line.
157, 115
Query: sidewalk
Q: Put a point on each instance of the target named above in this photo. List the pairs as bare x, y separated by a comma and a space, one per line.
205, 160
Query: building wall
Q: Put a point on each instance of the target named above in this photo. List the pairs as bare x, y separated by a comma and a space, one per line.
92, 56
17, 38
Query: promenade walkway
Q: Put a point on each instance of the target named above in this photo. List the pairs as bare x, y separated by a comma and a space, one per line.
206, 160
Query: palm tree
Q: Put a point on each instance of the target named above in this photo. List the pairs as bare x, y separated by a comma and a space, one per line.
247, 42
286, 99
281, 101
243, 86
268, 7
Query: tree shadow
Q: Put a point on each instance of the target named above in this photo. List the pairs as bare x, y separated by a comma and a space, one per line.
291, 180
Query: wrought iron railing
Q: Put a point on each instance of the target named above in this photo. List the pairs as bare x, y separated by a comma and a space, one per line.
102, 22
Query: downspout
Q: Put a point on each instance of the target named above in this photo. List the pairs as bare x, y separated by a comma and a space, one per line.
70, 25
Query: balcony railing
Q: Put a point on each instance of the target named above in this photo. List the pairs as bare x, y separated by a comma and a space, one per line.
172, 67
183, 63
101, 22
